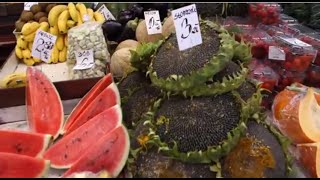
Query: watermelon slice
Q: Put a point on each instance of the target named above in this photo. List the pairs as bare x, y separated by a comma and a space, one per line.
106, 99
24, 143
110, 153
69, 149
87, 99
20, 166
44, 107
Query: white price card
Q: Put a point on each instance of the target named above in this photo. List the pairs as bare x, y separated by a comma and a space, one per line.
296, 42
84, 59
106, 13
153, 22
28, 5
42, 45
276, 53
187, 27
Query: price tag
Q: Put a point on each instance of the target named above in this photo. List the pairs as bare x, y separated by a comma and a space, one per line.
28, 5
276, 53
42, 45
84, 59
106, 13
153, 22
296, 42
187, 27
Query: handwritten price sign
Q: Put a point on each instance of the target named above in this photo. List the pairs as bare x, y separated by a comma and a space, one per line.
84, 59
28, 5
106, 13
187, 27
153, 22
42, 45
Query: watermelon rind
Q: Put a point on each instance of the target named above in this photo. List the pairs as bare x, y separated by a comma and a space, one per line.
125, 155
45, 170
46, 143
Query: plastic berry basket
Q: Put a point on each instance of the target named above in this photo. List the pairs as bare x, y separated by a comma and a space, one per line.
289, 77
313, 40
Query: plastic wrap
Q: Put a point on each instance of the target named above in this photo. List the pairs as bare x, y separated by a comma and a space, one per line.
287, 78
313, 76
82, 39
313, 40
265, 75
279, 30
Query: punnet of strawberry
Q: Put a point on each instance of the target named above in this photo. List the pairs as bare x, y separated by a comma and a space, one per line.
237, 25
289, 77
266, 76
315, 42
273, 30
266, 13
313, 76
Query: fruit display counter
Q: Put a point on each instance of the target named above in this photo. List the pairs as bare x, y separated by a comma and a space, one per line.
160, 90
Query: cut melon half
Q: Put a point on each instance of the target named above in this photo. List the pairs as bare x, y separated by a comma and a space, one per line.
309, 157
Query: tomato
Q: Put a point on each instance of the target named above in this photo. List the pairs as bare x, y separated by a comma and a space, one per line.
268, 86
263, 13
288, 65
252, 8
297, 63
271, 10
260, 6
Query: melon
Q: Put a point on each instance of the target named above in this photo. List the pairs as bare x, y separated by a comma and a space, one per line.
88, 98
109, 153
70, 148
308, 155
44, 107
297, 116
109, 97
21, 166
24, 143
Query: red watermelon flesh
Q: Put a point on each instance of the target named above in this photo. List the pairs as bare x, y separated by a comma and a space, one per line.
110, 153
87, 99
106, 99
44, 107
24, 143
20, 166
69, 149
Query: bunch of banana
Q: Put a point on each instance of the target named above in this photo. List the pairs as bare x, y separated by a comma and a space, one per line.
25, 41
14, 80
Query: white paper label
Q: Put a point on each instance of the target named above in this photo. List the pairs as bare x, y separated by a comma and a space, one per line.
106, 13
296, 42
187, 27
28, 5
42, 45
153, 22
276, 53
84, 59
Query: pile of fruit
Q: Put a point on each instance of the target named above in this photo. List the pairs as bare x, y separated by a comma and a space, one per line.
56, 20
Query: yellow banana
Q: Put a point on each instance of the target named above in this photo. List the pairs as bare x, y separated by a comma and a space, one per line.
30, 44
80, 21
44, 26
54, 30
55, 13
21, 43
70, 23
62, 22
82, 9
18, 52
60, 42
29, 37
55, 54
26, 53
73, 11
66, 40
29, 28
90, 13
99, 17
36, 60
28, 61
63, 55
14, 80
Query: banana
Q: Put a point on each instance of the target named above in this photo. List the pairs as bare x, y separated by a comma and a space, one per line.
63, 55
30, 28
90, 13
54, 14
21, 43
60, 42
66, 40
28, 61
14, 80
62, 22
54, 30
36, 60
44, 26
29, 37
82, 9
26, 53
55, 54
30, 44
99, 17
73, 12
70, 23
80, 21
18, 52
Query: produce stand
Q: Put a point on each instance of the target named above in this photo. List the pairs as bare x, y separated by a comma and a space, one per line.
122, 91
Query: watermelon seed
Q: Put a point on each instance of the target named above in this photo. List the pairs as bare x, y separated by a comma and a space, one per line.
100, 100
78, 139
65, 156
106, 151
18, 148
